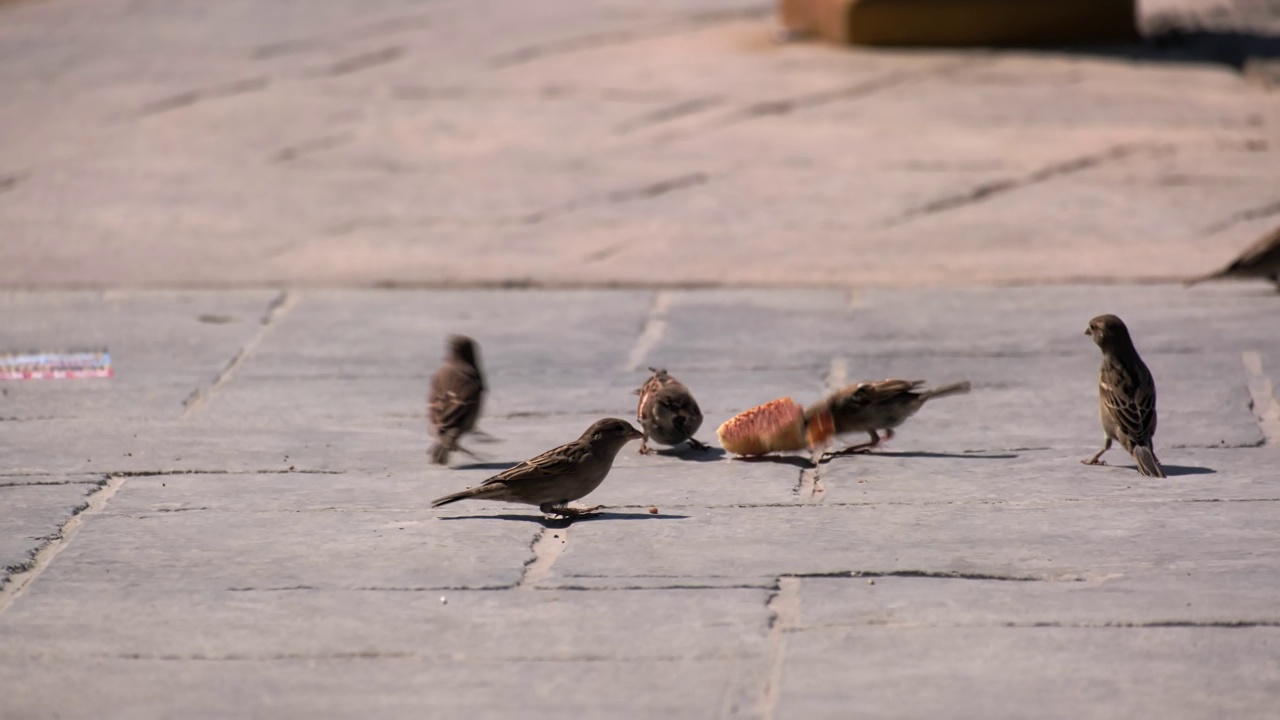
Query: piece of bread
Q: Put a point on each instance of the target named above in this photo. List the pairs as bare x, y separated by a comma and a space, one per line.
777, 425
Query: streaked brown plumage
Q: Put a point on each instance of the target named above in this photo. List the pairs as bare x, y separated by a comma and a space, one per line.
667, 412
1259, 260
559, 476
1126, 395
884, 405
457, 392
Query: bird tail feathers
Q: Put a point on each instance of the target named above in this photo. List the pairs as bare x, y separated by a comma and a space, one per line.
1147, 463
478, 491
959, 388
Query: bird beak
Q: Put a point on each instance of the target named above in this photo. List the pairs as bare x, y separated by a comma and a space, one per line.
634, 434
1086, 331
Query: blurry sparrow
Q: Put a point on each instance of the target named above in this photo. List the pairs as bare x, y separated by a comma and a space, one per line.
667, 412
557, 477
884, 405
457, 390
1259, 260
1126, 395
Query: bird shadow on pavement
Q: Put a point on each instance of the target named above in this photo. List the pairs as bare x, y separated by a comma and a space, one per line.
1176, 470
487, 466
711, 454
792, 460
923, 454
556, 522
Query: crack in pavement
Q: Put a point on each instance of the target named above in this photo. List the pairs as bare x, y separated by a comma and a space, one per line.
276, 309
547, 546
668, 113
380, 28
191, 97
363, 61
1254, 213
311, 147
987, 191
784, 615
605, 38
23, 574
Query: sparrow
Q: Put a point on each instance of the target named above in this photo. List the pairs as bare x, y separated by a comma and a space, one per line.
1126, 395
667, 412
1259, 260
872, 406
457, 390
559, 476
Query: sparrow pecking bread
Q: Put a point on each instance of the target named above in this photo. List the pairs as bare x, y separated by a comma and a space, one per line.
1126, 395
457, 391
667, 412
559, 476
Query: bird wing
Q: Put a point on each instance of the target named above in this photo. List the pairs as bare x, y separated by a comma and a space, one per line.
1129, 394
877, 392
455, 395
552, 463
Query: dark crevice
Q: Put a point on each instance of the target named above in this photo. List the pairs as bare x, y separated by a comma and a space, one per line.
363, 61
606, 38
191, 97
993, 189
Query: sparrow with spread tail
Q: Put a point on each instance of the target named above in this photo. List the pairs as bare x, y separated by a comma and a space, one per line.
667, 412
873, 406
557, 477
1259, 260
457, 391
1126, 395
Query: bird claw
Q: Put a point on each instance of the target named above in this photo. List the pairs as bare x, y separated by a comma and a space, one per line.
1093, 461
565, 511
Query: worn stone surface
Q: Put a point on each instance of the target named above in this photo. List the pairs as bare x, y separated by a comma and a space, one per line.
358, 143
258, 537
32, 514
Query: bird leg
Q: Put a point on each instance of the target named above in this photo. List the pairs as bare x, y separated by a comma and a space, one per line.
644, 445
563, 509
860, 448
468, 453
699, 446
865, 447
1094, 460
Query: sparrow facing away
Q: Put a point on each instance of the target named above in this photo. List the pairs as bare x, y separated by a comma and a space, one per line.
883, 405
457, 390
557, 477
1259, 260
667, 412
1126, 395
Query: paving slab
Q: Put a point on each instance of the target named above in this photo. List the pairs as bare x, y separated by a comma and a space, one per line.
1061, 672
33, 514
258, 537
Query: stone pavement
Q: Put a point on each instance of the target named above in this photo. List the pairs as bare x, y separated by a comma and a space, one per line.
320, 143
237, 524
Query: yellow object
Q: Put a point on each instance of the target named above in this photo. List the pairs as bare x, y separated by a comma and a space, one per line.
962, 22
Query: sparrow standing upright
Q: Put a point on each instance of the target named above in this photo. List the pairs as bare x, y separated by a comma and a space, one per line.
457, 390
559, 476
1126, 395
667, 412
883, 405
1259, 260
